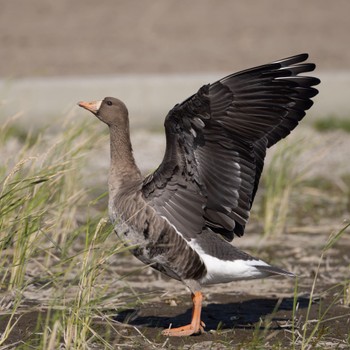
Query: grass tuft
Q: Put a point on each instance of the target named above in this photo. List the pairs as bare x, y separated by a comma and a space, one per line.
313, 332
279, 181
332, 123
55, 251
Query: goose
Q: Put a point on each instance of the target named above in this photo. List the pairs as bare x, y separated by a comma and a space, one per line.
181, 218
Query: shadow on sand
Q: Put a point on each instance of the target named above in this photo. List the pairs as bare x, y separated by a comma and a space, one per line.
240, 314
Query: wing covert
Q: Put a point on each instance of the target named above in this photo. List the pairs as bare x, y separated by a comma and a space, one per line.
217, 141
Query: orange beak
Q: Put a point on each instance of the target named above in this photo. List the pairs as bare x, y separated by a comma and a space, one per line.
91, 106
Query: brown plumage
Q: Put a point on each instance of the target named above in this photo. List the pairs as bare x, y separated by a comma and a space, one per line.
182, 217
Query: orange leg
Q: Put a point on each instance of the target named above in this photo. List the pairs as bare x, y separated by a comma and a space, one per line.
196, 326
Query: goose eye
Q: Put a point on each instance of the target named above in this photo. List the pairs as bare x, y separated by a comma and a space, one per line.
109, 103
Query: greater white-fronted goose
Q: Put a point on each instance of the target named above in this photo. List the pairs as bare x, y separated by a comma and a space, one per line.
182, 218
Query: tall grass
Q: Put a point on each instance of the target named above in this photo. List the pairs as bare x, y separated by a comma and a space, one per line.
51, 242
280, 178
36, 200
311, 331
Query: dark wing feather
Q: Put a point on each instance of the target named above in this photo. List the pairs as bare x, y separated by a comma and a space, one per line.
174, 189
216, 145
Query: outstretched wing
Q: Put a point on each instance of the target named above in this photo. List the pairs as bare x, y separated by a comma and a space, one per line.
216, 145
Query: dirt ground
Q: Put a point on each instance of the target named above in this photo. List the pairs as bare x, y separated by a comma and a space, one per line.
235, 314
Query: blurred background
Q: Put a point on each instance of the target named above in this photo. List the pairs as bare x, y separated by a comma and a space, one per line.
85, 37
154, 53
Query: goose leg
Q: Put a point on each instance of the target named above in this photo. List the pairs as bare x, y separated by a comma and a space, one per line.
196, 326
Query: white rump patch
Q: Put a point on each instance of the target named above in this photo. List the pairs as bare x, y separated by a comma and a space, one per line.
223, 271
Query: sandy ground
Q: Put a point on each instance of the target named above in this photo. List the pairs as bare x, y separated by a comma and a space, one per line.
46, 38
234, 313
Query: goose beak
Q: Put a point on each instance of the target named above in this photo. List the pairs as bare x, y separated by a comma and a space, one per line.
93, 106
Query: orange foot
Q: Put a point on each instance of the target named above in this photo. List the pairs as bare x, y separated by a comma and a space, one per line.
184, 330
196, 326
